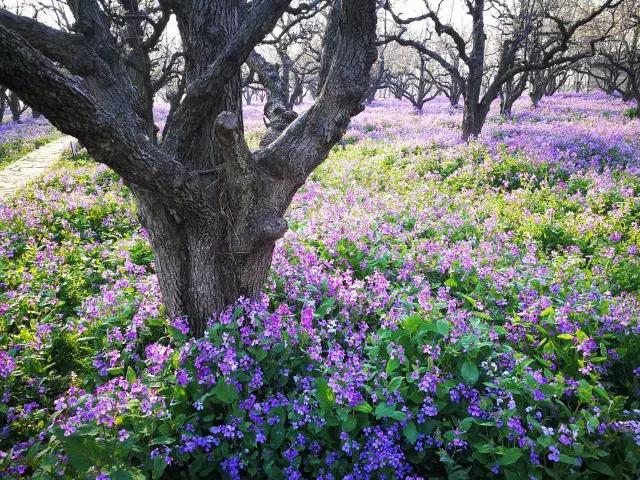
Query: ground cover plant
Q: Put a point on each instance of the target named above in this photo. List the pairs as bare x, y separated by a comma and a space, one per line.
437, 310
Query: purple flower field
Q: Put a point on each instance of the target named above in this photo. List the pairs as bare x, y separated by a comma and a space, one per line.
436, 310
29, 129
18, 139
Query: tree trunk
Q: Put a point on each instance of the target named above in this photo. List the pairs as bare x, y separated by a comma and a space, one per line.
213, 208
3, 104
198, 272
535, 95
14, 106
475, 114
506, 106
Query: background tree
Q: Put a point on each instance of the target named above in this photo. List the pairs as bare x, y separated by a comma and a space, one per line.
511, 91
212, 207
420, 86
16, 107
619, 56
3, 103
283, 79
559, 26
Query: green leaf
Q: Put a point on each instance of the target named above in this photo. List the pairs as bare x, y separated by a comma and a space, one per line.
396, 415
158, 467
484, 448
83, 453
601, 467
410, 432
273, 471
443, 327
469, 299
277, 436
565, 336
395, 384
547, 312
324, 394
131, 375
388, 411
350, 424
364, 408
120, 474
412, 322
469, 372
225, 392
570, 460
164, 440
115, 371
509, 456
451, 283
392, 364
325, 307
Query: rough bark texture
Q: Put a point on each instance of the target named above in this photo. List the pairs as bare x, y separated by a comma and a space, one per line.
212, 207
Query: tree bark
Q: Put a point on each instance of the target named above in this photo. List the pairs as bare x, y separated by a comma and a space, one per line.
14, 106
474, 117
213, 208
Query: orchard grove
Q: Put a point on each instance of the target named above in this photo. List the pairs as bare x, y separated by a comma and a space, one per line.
436, 310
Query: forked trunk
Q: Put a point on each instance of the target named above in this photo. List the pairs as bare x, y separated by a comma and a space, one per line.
213, 208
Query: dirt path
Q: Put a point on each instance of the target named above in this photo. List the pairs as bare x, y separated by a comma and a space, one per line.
17, 174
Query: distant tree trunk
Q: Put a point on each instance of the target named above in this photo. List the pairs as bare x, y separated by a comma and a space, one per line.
511, 91
454, 99
506, 106
15, 107
3, 104
474, 118
377, 78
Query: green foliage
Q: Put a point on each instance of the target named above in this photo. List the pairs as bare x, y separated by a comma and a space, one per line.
508, 293
13, 150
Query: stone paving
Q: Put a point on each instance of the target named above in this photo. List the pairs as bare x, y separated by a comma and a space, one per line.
17, 174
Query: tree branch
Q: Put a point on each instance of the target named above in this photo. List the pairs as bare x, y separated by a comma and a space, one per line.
198, 96
349, 53
114, 137
65, 48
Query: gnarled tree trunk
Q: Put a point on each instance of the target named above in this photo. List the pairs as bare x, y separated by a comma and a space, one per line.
213, 208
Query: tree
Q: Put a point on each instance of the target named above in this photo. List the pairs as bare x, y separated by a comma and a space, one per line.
283, 81
619, 58
511, 91
448, 82
377, 79
212, 207
421, 86
558, 24
16, 107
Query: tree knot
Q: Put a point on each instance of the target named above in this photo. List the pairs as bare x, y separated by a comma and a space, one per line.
226, 126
